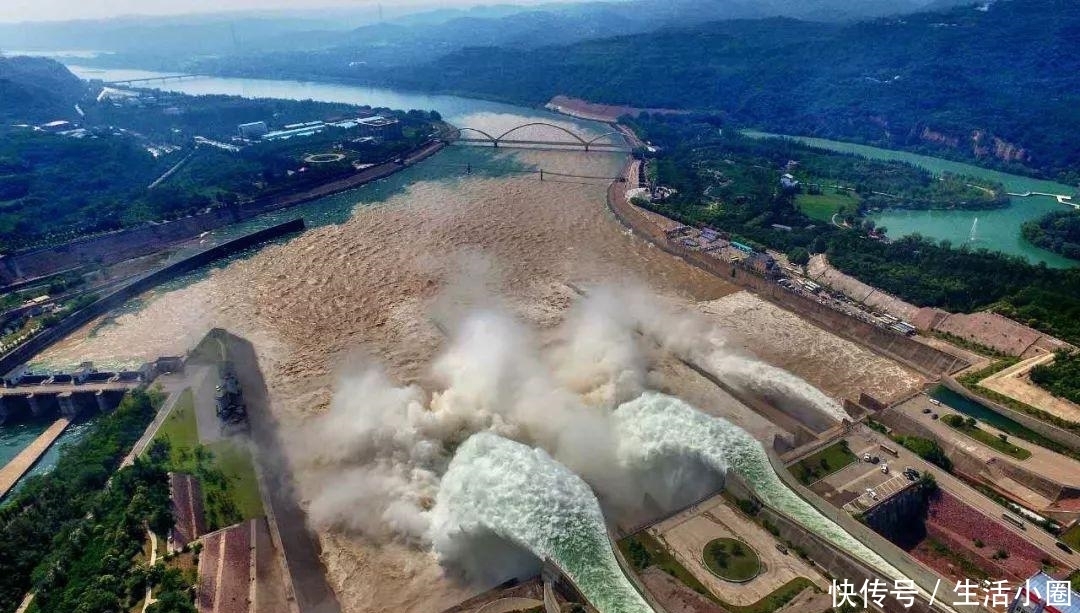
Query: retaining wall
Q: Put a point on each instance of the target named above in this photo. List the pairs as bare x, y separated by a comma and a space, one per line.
898, 558
114, 247
140, 284
107, 249
923, 358
971, 465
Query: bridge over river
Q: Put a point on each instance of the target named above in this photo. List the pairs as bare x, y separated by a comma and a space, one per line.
561, 138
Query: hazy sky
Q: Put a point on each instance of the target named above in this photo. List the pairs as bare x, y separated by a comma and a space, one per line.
40, 10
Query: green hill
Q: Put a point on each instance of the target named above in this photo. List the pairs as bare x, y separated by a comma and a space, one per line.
1000, 85
35, 90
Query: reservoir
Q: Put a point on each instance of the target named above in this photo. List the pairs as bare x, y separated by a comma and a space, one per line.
997, 229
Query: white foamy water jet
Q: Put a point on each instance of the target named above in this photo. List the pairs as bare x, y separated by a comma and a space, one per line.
495, 486
775, 384
655, 428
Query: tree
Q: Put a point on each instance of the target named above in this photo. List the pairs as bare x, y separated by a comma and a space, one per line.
798, 256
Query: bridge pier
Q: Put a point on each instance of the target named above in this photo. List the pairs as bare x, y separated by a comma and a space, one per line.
39, 404
102, 402
67, 405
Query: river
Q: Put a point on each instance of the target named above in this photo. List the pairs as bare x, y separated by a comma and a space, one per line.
382, 273
997, 229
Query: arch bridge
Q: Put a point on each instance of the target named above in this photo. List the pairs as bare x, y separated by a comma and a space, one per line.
477, 135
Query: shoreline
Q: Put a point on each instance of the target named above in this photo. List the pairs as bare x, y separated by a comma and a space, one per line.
40, 263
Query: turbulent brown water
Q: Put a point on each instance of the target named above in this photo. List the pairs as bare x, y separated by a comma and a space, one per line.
381, 282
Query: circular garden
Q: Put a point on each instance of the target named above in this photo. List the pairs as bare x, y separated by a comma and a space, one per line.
324, 158
731, 560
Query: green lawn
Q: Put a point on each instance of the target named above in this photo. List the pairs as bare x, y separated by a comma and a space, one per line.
1071, 537
731, 559
224, 468
823, 206
180, 428
657, 555
958, 423
823, 463
236, 463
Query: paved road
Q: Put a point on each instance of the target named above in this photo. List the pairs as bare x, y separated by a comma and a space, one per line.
1042, 462
966, 493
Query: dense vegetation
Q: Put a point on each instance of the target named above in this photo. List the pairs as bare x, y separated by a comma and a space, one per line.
1000, 85
37, 90
1061, 377
927, 449
1058, 232
51, 510
95, 568
56, 187
731, 182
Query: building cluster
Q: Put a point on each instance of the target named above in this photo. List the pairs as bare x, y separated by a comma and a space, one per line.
768, 265
375, 127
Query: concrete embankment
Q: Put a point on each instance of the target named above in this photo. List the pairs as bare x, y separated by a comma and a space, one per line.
114, 247
922, 358
1050, 431
138, 285
20, 464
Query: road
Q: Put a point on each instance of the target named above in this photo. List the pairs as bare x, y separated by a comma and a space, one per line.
1042, 462
964, 492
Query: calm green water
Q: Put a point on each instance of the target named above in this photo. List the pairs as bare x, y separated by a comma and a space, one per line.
973, 409
15, 437
998, 229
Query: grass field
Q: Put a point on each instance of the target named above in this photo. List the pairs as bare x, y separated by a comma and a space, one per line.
236, 463
823, 463
973, 431
731, 559
1071, 537
180, 427
225, 468
823, 206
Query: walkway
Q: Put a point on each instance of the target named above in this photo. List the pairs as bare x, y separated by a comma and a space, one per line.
152, 429
17, 467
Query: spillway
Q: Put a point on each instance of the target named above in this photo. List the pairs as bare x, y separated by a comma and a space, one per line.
654, 428
497, 486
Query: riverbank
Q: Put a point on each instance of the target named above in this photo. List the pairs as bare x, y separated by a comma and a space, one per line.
993, 229
115, 247
923, 358
121, 294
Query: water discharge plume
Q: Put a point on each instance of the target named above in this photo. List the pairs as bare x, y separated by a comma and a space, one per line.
686, 334
494, 367
778, 386
656, 428
379, 443
518, 493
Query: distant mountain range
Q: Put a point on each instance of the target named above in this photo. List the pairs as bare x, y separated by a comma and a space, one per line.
362, 36
999, 83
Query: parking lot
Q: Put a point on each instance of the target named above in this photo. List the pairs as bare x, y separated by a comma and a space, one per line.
861, 485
